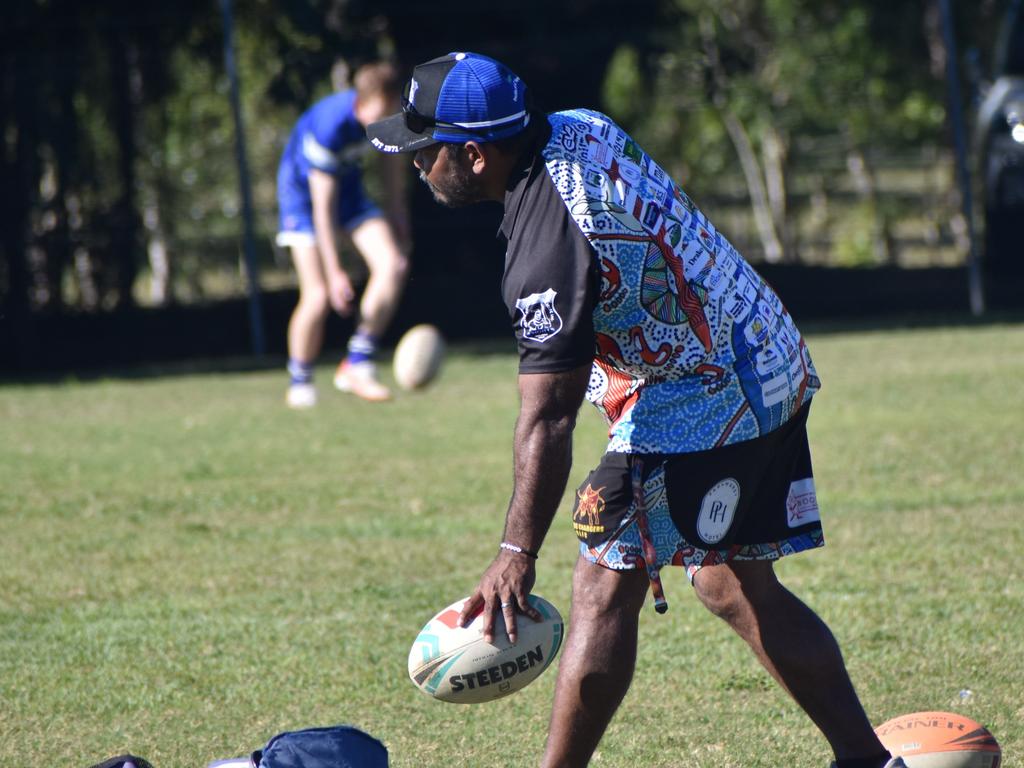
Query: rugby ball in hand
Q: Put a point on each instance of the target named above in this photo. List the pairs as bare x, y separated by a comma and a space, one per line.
455, 664
940, 740
418, 357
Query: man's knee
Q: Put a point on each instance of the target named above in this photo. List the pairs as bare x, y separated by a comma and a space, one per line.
717, 590
599, 593
731, 590
376, 243
397, 267
313, 301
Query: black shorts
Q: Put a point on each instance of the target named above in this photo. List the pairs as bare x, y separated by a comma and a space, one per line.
752, 500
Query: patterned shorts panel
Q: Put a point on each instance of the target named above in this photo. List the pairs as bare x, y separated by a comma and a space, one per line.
749, 501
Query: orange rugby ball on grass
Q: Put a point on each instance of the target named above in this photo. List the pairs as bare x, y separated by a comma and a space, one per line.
940, 740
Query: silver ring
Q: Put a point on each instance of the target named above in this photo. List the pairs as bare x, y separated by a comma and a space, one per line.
505, 605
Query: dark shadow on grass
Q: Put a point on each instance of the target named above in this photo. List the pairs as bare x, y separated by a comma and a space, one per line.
492, 346
214, 338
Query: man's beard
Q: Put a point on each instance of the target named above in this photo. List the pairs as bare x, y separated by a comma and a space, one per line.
459, 187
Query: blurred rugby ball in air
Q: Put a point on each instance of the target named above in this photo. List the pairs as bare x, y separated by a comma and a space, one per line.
455, 664
418, 356
940, 740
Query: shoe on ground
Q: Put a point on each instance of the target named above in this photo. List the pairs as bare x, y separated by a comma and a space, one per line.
361, 380
893, 762
301, 396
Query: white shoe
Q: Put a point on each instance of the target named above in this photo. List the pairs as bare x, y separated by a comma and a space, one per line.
361, 380
301, 396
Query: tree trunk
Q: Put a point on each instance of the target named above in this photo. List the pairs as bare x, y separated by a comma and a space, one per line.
125, 218
932, 29
773, 150
156, 252
83, 261
867, 189
744, 147
65, 156
155, 220
155, 190
755, 186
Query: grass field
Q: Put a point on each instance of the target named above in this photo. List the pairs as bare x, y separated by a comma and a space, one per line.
187, 568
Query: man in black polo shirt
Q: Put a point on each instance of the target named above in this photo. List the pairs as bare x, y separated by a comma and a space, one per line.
622, 292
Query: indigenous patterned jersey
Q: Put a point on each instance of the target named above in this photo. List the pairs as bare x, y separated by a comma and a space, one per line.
608, 260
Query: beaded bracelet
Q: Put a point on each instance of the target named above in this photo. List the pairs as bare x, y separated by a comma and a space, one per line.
518, 550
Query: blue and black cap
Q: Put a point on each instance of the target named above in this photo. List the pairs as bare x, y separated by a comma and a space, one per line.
454, 98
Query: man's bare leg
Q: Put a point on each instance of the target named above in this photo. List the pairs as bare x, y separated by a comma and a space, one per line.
597, 663
306, 326
389, 268
795, 646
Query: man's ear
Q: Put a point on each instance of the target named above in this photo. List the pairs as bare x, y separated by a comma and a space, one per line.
477, 156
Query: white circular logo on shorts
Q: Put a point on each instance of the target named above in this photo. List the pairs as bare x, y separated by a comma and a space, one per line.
717, 510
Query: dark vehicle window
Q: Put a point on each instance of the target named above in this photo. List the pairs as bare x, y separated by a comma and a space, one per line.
1011, 53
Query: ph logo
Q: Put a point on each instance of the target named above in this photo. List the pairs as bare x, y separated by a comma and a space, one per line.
717, 510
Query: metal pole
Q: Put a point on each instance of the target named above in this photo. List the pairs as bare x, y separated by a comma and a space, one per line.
248, 240
956, 118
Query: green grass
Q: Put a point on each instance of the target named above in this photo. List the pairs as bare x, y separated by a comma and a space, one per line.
187, 568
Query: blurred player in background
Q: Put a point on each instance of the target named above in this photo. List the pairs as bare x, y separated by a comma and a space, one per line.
323, 205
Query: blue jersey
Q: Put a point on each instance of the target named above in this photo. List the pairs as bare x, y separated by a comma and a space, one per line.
326, 137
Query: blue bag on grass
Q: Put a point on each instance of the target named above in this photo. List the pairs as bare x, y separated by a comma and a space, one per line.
336, 746
124, 761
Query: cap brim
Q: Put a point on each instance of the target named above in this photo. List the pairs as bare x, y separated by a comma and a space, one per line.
392, 135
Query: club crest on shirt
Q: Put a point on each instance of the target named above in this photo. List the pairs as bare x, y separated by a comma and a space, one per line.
540, 319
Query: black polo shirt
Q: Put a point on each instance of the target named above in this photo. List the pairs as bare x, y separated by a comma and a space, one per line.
551, 282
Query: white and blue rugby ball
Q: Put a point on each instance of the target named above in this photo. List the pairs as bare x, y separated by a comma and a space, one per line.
455, 664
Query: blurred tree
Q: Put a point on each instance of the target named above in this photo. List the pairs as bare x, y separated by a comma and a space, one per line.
751, 80
115, 138
78, 76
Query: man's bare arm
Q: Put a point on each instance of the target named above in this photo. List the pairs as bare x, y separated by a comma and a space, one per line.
323, 190
549, 403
